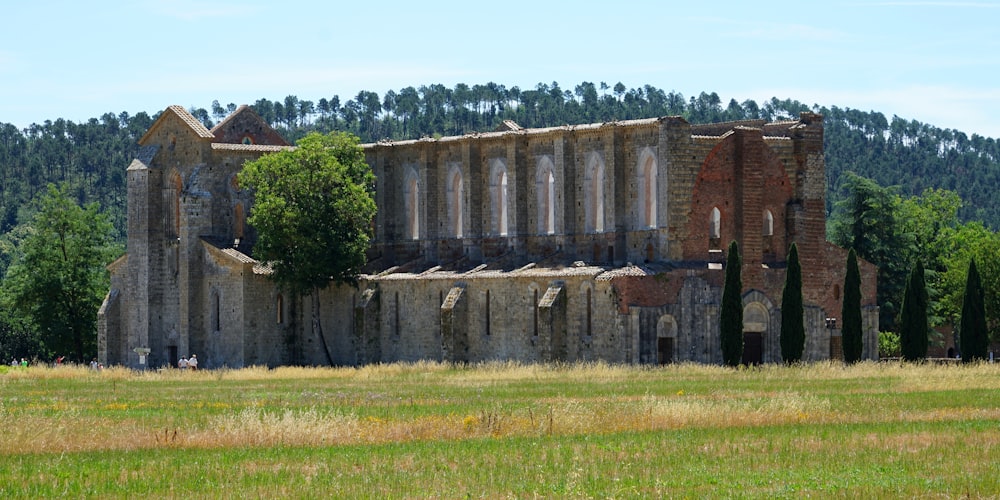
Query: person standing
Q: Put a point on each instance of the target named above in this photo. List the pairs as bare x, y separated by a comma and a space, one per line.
193, 362
182, 363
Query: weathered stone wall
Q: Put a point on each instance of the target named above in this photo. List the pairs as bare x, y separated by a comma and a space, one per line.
516, 244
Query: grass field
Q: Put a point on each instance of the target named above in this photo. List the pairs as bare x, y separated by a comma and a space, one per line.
428, 430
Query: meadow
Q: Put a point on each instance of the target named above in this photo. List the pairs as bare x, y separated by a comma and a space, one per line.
503, 430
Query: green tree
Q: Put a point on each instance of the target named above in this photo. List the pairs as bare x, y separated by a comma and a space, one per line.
972, 241
313, 208
850, 313
58, 278
731, 322
793, 330
913, 317
974, 339
867, 220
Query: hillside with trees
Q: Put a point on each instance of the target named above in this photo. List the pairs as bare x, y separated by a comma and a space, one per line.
898, 190
91, 157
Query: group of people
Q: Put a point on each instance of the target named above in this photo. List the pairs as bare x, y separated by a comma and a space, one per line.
15, 362
188, 363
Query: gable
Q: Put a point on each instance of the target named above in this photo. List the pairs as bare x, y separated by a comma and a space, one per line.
244, 126
175, 121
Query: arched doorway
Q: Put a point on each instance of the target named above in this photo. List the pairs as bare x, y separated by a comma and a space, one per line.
755, 323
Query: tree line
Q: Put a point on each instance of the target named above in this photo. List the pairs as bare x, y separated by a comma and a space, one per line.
896, 189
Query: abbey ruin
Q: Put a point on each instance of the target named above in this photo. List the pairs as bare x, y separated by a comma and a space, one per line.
590, 242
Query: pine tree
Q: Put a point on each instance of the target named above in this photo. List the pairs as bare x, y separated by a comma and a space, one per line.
913, 316
850, 313
793, 332
731, 322
972, 333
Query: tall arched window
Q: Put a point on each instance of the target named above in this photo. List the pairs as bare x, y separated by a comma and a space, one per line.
715, 223
498, 197
216, 311
594, 210
545, 188
238, 220
411, 202
455, 195
647, 189
768, 223
279, 304
174, 196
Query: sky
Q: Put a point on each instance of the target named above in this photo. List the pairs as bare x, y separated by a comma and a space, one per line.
937, 62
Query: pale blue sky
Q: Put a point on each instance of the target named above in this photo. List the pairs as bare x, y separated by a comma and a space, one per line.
933, 61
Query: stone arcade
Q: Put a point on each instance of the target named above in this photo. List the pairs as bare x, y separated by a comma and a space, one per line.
589, 242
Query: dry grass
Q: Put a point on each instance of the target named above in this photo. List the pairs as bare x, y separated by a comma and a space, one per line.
179, 413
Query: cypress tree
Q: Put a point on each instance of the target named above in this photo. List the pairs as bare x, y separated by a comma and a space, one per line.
731, 322
972, 332
850, 312
913, 320
793, 331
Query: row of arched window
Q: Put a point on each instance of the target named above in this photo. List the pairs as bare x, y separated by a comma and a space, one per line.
715, 224
546, 180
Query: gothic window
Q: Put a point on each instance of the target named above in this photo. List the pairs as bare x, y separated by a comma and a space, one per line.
455, 208
280, 305
647, 190
411, 202
534, 310
238, 221
715, 224
545, 188
498, 197
488, 332
216, 312
594, 210
174, 196
768, 223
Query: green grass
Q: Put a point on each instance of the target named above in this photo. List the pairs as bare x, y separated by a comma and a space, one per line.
503, 430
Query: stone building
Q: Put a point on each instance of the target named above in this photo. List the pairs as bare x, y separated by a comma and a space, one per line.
589, 242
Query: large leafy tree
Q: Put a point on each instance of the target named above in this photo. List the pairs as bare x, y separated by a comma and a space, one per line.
313, 207
972, 241
731, 321
913, 317
793, 330
867, 220
58, 278
974, 338
851, 330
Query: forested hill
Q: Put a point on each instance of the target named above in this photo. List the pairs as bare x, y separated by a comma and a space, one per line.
92, 156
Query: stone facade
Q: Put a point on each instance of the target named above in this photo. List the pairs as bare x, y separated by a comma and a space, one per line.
591, 242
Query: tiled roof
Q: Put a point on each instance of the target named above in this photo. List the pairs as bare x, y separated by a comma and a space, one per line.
248, 147
481, 272
238, 255
192, 122
144, 157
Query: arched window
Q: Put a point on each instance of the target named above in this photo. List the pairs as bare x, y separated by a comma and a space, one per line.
647, 189
238, 220
455, 195
174, 196
768, 223
216, 312
411, 202
279, 304
715, 224
594, 210
498, 197
545, 187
